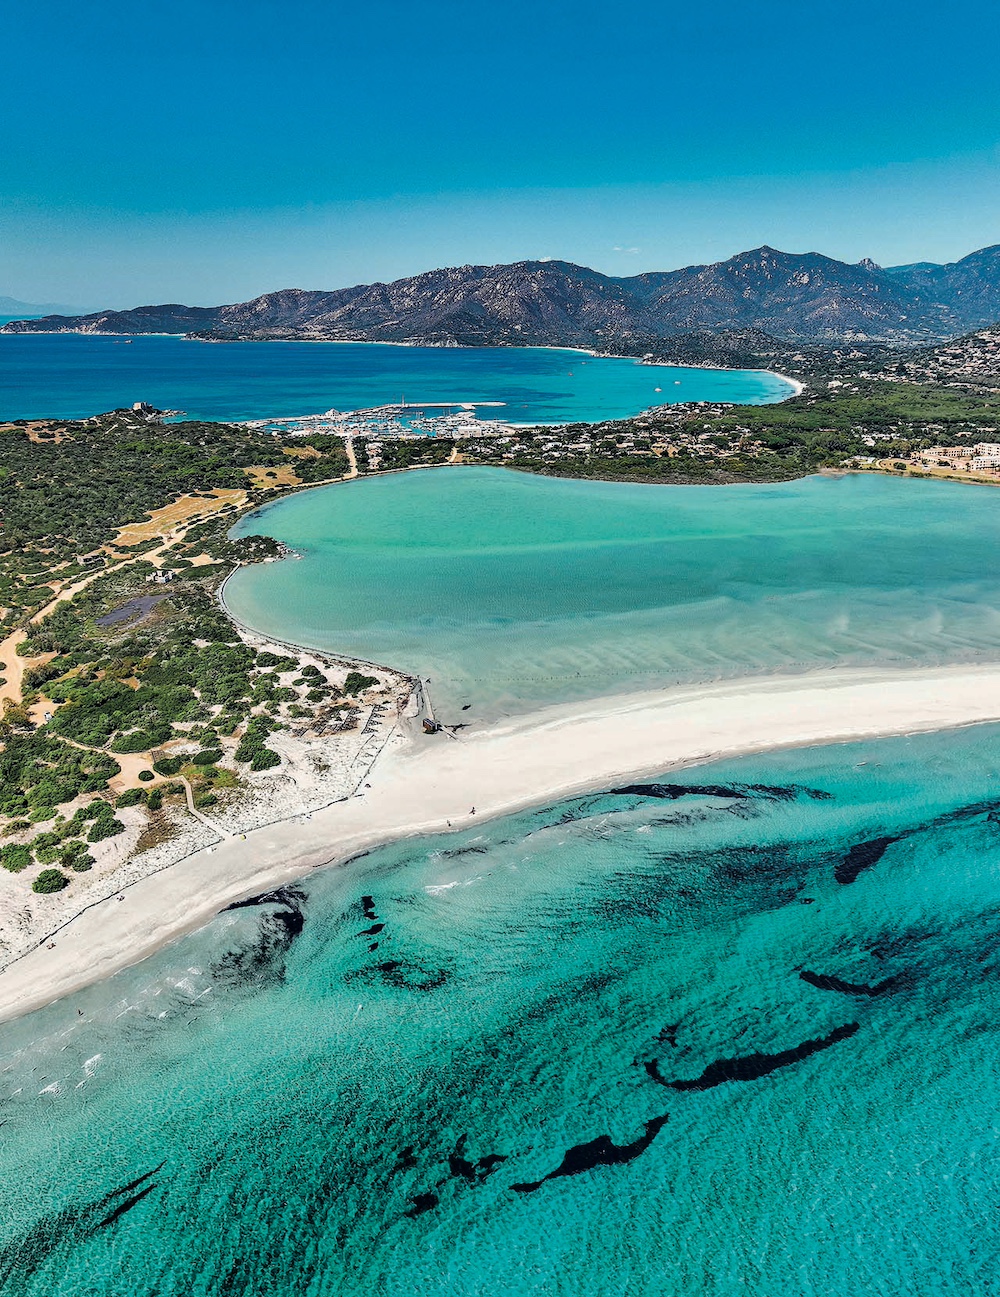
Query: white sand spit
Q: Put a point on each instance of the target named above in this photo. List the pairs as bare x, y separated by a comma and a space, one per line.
420, 786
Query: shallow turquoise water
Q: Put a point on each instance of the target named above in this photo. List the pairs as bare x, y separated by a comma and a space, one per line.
509, 590
322, 1106
76, 375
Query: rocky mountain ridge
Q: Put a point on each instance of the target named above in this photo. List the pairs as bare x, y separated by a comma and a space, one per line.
797, 297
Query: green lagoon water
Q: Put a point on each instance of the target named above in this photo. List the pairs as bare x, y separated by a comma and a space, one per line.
751, 1015
508, 591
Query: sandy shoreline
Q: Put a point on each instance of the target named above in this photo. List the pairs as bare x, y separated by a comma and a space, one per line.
420, 787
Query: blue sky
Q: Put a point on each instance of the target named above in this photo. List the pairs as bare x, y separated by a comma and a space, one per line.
208, 150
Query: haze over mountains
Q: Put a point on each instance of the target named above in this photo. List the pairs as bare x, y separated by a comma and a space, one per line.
803, 297
12, 306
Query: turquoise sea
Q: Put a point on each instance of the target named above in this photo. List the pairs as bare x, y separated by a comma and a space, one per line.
508, 591
76, 375
731, 1033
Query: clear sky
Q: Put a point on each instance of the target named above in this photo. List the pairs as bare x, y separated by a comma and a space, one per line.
209, 150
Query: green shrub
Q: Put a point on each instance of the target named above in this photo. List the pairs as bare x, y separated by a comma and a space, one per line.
144, 739
49, 880
15, 857
155, 798
205, 799
207, 757
167, 766
105, 827
75, 856
146, 775
264, 759
356, 682
266, 659
131, 797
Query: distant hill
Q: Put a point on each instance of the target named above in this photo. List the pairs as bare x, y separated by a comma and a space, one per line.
798, 297
11, 306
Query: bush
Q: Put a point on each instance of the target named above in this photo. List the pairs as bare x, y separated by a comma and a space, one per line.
49, 880
248, 747
265, 659
205, 799
356, 682
75, 856
131, 797
264, 759
143, 740
155, 799
167, 766
105, 827
15, 857
207, 757
146, 775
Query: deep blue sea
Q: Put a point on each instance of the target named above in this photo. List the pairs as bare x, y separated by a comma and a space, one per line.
73, 376
731, 1034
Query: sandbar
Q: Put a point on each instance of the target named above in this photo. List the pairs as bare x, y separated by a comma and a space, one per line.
430, 783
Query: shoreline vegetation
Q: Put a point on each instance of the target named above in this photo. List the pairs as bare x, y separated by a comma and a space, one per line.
147, 740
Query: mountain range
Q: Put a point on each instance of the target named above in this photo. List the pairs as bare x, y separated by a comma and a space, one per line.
12, 306
803, 297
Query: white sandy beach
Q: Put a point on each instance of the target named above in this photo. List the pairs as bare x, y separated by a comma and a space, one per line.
425, 783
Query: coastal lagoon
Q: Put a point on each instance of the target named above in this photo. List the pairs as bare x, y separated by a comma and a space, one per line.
729, 1033
73, 376
509, 591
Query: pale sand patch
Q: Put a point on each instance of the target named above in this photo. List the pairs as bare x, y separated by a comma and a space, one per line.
273, 475
419, 787
14, 667
185, 509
